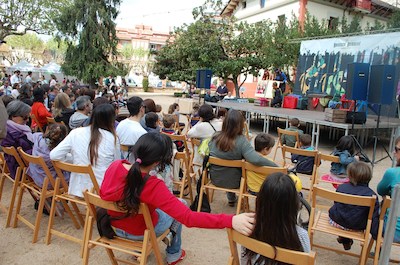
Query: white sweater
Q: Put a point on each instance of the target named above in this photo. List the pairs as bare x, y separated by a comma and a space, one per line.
77, 144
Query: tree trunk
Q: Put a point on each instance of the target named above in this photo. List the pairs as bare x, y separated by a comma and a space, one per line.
235, 81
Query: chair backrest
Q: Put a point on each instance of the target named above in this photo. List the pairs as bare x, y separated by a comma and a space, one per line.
289, 133
265, 170
225, 162
94, 200
51, 120
266, 250
329, 158
33, 118
38, 160
190, 119
344, 198
10, 150
385, 205
302, 152
60, 166
177, 137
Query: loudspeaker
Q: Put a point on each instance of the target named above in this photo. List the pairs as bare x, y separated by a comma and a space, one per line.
203, 78
360, 117
381, 84
357, 81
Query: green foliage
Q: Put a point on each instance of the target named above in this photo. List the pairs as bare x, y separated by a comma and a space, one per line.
145, 83
29, 42
18, 17
394, 22
57, 49
89, 28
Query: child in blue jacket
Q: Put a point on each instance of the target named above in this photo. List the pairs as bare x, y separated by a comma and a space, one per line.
352, 217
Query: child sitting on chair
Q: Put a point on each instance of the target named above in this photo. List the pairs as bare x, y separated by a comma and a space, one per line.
303, 164
276, 212
263, 144
151, 119
350, 217
169, 124
290, 140
194, 114
345, 151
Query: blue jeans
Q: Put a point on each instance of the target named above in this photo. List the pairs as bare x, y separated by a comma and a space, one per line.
164, 222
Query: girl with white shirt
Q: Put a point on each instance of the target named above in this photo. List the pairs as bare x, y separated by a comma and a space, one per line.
96, 145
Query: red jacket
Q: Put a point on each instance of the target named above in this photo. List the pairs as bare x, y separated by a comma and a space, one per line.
41, 113
156, 195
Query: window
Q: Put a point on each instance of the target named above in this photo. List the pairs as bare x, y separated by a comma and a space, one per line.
244, 4
333, 23
262, 3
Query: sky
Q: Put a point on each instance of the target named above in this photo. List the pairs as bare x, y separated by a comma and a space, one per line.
162, 15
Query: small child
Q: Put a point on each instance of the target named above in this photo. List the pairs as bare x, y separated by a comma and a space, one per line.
263, 144
174, 110
345, 151
158, 111
289, 140
151, 119
169, 123
194, 114
350, 217
304, 164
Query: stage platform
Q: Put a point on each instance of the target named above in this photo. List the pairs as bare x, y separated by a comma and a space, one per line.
315, 119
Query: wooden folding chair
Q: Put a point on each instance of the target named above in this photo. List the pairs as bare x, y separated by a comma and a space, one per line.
37, 127
43, 192
207, 185
61, 195
282, 132
266, 171
247, 131
379, 240
324, 159
182, 138
126, 151
139, 249
195, 166
177, 126
186, 180
307, 153
190, 119
5, 174
319, 221
274, 253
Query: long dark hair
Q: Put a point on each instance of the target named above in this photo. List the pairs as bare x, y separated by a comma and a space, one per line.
103, 117
231, 128
150, 148
276, 216
346, 142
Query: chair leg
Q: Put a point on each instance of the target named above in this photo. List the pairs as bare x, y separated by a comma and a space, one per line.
363, 257
200, 199
39, 216
19, 202
85, 244
13, 195
52, 211
84, 229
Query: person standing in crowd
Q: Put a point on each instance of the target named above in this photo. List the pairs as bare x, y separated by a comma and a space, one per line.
5, 89
28, 78
281, 77
222, 90
15, 78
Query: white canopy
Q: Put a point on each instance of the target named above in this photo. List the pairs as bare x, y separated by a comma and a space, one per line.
23, 66
52, 68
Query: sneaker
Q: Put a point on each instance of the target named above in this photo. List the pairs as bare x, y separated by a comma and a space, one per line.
232, 203
347, 243
168, 239
183, 255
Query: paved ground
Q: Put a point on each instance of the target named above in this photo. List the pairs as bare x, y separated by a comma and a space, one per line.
202, 246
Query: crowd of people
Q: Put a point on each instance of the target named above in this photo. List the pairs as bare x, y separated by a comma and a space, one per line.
87, 132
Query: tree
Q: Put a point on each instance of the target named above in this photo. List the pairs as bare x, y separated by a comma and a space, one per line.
28, 47
219, 44
88, 27
394, 21
136, 58
55, 50
18, 17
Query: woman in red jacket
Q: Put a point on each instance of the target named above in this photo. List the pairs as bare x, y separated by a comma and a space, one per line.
129, 184
38, 108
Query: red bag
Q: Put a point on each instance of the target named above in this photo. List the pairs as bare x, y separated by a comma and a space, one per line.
290, 102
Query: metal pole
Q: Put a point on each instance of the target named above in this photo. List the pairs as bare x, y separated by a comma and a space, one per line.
390, 226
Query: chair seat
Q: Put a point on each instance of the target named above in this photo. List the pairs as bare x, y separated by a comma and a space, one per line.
210, 185
126, 245
322, 224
